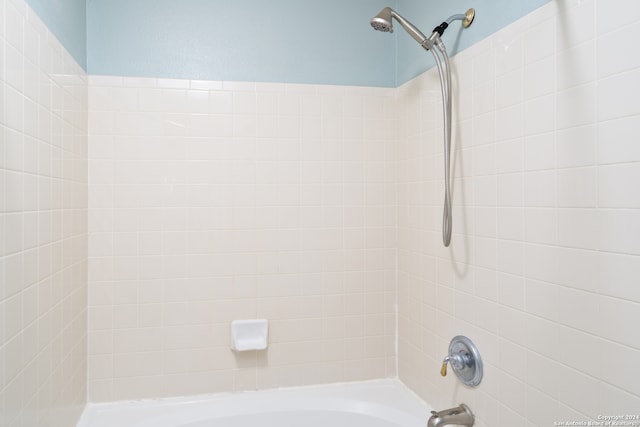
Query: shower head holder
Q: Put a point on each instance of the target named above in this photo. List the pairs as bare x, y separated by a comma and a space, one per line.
469, 16
466, 18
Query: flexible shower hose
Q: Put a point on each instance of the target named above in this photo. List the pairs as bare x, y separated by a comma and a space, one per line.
445, 84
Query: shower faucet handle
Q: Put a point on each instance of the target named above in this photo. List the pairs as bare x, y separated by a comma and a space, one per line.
465, 360
457, 360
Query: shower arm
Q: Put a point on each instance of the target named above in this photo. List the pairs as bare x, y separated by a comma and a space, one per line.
466, 18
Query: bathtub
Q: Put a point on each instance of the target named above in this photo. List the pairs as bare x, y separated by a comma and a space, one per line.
380, 403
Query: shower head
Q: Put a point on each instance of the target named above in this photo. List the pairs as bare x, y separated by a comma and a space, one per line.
383, 22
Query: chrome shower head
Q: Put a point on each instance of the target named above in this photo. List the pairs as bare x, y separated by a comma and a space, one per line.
383, 22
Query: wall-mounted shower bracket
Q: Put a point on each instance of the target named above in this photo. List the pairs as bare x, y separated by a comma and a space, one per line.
465, 360
469, 15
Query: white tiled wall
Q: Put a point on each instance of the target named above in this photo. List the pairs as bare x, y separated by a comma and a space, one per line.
544, 265
214, 201
43, 225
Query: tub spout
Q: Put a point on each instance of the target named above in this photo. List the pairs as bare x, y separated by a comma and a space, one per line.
460, 415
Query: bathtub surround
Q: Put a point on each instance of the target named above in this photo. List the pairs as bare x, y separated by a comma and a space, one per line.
214, 201
296, 218
543, 269
43, 225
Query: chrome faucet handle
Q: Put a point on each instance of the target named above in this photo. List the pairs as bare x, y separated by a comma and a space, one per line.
465, 361
457, 360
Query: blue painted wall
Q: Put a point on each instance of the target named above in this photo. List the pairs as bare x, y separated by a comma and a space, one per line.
67, 20
293, 41
491, 15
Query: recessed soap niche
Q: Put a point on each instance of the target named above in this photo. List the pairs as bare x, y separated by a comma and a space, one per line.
249, 334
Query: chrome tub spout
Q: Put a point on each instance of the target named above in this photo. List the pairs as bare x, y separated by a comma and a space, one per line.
460, 415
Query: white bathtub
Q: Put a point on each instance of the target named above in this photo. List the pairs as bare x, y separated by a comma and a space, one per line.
382, 403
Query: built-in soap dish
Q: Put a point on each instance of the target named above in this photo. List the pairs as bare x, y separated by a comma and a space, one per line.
247, 335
